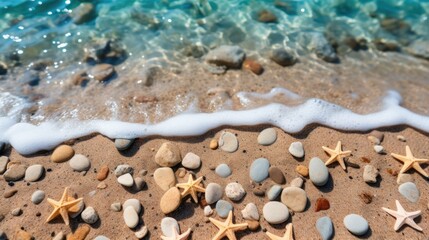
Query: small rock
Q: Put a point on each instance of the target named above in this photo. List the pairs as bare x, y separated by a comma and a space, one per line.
323, 49
374, 140
83, 13
296, 149
80, 233
213, 193
16, 212
79, 163
116, 207
275, 212
102, 185
141, 233
3, 68
404, 177
103, 173
401, 138
322, 204
274, 192
9, 193
294, 198
410, 191
140, 183
266, 16
253, 66
208, 211
191, 161
23, 235
168, 155
370, 174
250, 212
318, 172
131, 217
102, 72
181, 172
62, 153
126, 180
59, 236
356, 224
123, 169
259, 170
228, 142
89, 215
302, 170
325, 227
213, 144
14, 173
34, 172
377, 134
283, 57
123, 144
170, 201
252, 225
223, 170
135, 203
222, 208
379, 149
419, 48
276, 175
164, 178
38, 196
234, 191
259, 192
228, 56
297, 182
267, 137
3, 164
167, 226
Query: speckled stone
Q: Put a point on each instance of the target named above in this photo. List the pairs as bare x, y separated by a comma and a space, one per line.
259, 169
222, 208
89, 215
234, 191
123, 169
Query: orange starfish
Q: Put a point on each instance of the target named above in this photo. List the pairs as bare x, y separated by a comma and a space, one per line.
64, 206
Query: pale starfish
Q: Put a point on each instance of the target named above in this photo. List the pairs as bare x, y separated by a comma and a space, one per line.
337, 155
411, 162
288, 234
403, 217
191, 187
63, 207
177, 236
227, 228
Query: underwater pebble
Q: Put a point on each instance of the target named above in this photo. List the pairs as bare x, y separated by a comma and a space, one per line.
225, 55
283, 57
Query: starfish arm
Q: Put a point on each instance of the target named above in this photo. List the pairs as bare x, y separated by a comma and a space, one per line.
408, 152
64, 196
165, 238
399, 222
389, 211
413, 224
219, 235
72, 203
199, 188
239, 226
230, 235
399, 207
414, 214
399, 157
406, 167
65, 215
194, 195
185, 235
419, 169
341, 162
182, 185
217, 223
53, 215
53, 202
273, 237
330, 160
328, 150
289, 231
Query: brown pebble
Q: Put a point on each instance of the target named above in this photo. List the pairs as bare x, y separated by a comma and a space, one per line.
253, 225
302, 170
259, 192
266, 16
392, 172
277, 175
62, 153
103, 173
253, 66
102, 185
213, 144
80, 233
202, 202
9, 193
181, 172
366, 197
322, 204
170, 201
102, 72
23, 235
365, 159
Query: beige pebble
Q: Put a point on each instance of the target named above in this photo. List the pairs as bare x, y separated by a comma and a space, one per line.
59, 236
102, 185
168, 155
103, 173
302, 170
253, 225
164, 178
62, 153
374, 140
213, 144
9, 193
141, 233
401, 138
170, 201
181, 172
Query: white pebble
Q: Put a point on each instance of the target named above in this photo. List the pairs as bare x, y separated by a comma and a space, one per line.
89, 215
126, 180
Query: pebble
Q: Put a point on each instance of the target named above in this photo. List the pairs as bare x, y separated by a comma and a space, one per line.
259, 170
267, 137
168, 155
102, 185
296, 149
213, 193
410, 191
223, 170
89, 215
283, 57
222, 208
62, 153
213, 144
234, 191
126, 180
123, 144
9, 193
252, 225
80, 233
404, 177
294, 198
302, 170
38, 196
34, 173
123, 169
370, 174
170, 201
322, 204
250, 212
82, 13
276, 175
228, 56
253, 66
297, 182
23, 235
79, 163
116, 207
164, 178
318, 172
59, 236
325, 227
103, 173
14, 173
3, 164
208, 211
275, 212
135, 203
140, 183
141, 233
274, 192
16, 212
167, 225
266, 16
379, 149
131, 217
101, 237
356, 224
377, 134
259, 192
228, 142
374, 140
102, 72
401, 138
181, 172
191, 161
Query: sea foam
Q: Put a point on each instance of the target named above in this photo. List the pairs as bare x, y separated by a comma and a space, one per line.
28, 138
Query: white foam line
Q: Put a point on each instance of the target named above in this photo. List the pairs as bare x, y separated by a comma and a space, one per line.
27, 138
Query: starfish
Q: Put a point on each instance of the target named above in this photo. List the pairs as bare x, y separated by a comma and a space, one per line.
177, 236
288, 234
403, 217
337, 155
227, 228
64, 206
411, 162
191, 187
